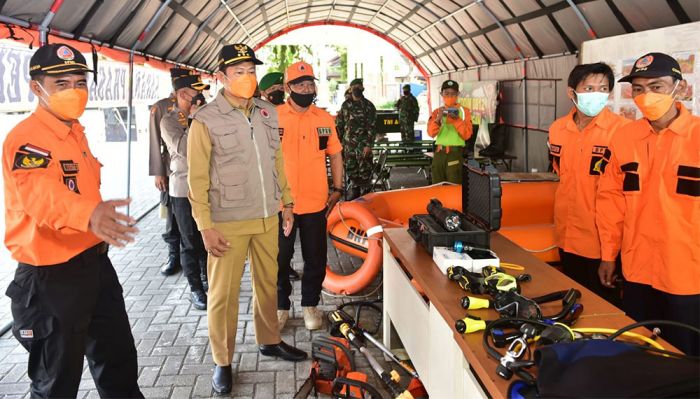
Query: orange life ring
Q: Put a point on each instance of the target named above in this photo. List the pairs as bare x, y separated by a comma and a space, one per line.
352, 228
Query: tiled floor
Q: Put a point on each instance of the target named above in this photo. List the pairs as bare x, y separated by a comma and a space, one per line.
171, 336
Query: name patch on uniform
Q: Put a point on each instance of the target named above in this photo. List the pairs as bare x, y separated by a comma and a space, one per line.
323, 131
31, 157
69, 167
597, 163
281, 130
72, 183
556, 149
26, 334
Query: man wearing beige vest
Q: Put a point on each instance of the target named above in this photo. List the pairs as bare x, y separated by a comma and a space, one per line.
236, 179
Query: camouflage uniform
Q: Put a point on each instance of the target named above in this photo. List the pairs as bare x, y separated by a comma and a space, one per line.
355, 127
408, 115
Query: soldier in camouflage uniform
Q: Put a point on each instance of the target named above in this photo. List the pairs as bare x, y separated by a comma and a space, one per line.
355, 127
408, 114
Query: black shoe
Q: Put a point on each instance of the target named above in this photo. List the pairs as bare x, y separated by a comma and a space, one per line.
283, 351
198, 299
172, 267
294, 275
205, 282
222, 379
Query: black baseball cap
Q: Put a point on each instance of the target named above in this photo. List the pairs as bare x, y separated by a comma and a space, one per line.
193, 81
232, 54
449, 84
357, 81
179, 72
654, 65
56, 59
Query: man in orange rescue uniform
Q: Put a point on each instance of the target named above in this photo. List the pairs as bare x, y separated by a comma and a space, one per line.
308, 136
451, 125
648, 205
577, 142
66, 299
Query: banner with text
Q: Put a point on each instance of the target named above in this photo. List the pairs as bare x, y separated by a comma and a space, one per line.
111, 89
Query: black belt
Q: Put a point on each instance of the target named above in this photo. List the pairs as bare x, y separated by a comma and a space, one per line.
95, 250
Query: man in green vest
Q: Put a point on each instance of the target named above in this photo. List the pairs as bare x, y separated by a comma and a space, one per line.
450, 125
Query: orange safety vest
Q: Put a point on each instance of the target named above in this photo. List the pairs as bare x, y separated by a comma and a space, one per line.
576, 157
307, 138
648, 204
52, 186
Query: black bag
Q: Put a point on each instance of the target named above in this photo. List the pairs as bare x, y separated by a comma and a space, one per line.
613, 369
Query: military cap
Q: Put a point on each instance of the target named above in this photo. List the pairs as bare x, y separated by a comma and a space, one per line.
654, 65
356, 81
178, 72
193, 81
55, 59
271, 79
449, 84
232, 54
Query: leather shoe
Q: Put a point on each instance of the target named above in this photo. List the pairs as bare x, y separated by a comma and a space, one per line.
283, 351
222, 379
198, 299
172, 267
294, 275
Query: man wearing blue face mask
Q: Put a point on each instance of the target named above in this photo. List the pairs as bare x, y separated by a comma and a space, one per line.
577, 143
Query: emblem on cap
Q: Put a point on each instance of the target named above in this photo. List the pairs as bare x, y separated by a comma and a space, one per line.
302, 67
242, 49
450, 83
644, 61
65, 53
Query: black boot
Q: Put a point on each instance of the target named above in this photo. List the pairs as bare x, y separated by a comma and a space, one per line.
172, 267
199, 299
222, 380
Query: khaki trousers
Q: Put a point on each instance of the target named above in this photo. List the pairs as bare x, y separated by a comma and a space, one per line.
256, 239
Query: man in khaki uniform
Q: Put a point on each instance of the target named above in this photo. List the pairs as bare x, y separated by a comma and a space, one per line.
158, 166
236, 179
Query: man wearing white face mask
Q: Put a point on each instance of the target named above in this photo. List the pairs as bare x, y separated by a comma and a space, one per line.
577, 143
236, 180
649, 204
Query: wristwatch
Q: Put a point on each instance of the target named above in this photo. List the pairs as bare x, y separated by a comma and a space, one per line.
338, 190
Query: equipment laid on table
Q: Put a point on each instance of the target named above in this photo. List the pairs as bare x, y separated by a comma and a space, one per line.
481, 202
343, 325
470, 258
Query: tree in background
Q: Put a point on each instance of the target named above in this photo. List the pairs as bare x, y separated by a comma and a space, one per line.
282, 56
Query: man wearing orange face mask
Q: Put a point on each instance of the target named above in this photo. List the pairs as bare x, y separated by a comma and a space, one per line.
648, 204
236, 180
66, 299
451, 125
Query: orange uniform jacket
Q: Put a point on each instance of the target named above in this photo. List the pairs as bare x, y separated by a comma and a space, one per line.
649, 204
307, 138
52, 186
576, 156
463, 126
